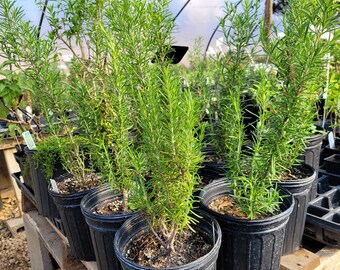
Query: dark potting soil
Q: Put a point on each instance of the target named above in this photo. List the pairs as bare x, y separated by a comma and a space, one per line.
206, 179
71, 185
214, 159
146, 250
111, 207
294, 174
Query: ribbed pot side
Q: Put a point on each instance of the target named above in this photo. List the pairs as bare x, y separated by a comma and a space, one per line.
248, 244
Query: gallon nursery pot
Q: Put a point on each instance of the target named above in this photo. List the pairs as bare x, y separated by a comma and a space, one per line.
311, 157
45, 204
21, 158
103, 227
75, 226
300, 190
248, 244
137, 225
209, 172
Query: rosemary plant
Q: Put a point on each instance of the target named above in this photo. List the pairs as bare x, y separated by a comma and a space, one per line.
118, 40
171, 141
201, 77
46, 156
299, 58
254, 193
285, 102
37, 58
168, 132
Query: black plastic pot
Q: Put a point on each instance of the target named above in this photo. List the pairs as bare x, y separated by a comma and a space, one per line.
312, 150
248, 244
24, 189
137, 225
312, 157
3, 124
103, 227
45, 205
211, 171
21, 158
208, 173
328, 151
332, 164
300, 190
210, 163
75, 226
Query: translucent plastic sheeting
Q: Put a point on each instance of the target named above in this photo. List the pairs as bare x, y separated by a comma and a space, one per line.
193, 19
200, 19
33, 13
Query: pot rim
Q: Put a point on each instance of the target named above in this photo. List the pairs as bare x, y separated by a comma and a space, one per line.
274, 218
88, 211
194, 263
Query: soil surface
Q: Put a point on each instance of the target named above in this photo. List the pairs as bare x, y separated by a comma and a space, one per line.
226, 205
13, 250
294, 174
146, 250
70, 185
111, 207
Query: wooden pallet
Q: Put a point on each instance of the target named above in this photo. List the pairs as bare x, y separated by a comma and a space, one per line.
45, 240
326, 258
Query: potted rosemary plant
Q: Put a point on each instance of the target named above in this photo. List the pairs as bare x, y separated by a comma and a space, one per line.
300, 61
248, 205
285, 98
35, 58
171, 141
169, 145
108, 114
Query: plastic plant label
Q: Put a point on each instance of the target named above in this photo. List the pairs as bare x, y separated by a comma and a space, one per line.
331, 140
54, 185
28, 140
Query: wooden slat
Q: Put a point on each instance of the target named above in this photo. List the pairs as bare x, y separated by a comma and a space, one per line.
53, 242
301, 259
39, 255
330, 259
7, 193
10, 143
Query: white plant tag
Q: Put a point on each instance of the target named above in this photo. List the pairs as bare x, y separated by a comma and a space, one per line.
331, 140
54, 185
28, 140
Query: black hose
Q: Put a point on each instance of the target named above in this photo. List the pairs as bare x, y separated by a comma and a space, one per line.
215, 30
180, 11
42, 18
